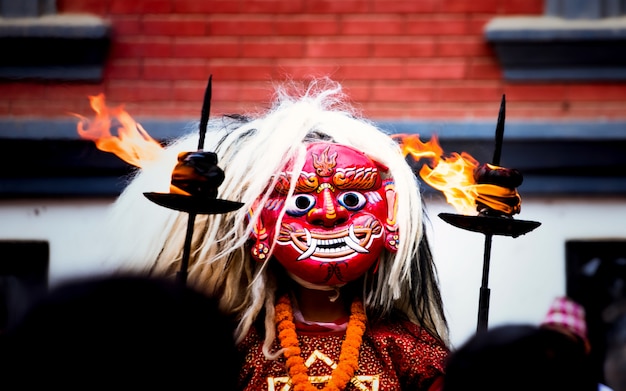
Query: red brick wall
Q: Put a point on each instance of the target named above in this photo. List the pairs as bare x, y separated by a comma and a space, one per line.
398, 60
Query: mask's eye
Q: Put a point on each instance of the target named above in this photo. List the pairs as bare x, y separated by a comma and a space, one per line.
300, 204
352, 200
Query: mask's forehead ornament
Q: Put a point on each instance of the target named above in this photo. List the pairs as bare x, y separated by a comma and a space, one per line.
324, 164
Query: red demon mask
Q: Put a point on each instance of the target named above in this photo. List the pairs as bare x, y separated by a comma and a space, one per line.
340, 218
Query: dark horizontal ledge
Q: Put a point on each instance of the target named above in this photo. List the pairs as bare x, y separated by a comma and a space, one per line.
107, 186
66, 73
54, 47
46, 158
548, 28
549, 48
546, 74
163, 129
65, 129
67, 26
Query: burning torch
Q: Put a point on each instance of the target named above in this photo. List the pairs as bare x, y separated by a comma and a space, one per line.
195, 179
487, 189
194, 184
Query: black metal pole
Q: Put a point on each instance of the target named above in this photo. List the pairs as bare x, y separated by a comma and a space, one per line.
196, 202
497, 152
191, 219
483, 301
484, 294
205, 112
181, 276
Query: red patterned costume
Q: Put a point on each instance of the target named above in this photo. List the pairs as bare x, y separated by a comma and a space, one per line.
394, 355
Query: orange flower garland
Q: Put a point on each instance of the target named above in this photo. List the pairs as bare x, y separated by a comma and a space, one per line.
348, 358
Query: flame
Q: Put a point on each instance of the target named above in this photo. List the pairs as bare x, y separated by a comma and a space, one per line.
133, 144
453, 175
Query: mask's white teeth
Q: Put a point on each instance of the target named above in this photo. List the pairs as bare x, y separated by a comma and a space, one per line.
353, 242
312, 243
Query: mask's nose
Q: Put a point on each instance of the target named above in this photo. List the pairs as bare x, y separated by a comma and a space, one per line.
328, 213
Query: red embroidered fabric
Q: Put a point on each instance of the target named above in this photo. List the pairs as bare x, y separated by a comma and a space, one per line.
393, 356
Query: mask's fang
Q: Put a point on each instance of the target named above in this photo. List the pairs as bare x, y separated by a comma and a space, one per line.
353, 242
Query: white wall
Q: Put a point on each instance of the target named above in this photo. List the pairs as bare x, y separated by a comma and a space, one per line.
63, 223
526, 272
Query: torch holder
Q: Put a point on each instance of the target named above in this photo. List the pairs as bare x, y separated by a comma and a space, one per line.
489, 226
193, 205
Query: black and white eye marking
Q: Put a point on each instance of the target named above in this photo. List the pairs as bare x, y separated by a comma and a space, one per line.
300, 204
352, 200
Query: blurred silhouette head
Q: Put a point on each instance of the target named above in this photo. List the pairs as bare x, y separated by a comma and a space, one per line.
519, 357
569, 317
123, 330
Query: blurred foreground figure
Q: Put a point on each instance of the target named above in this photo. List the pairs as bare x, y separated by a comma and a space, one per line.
120, 332
569, 317
615, 360
520, 357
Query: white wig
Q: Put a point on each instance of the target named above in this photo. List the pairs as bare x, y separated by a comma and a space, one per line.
250, 150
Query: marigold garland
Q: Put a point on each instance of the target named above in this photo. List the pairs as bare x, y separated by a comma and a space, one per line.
348, 358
